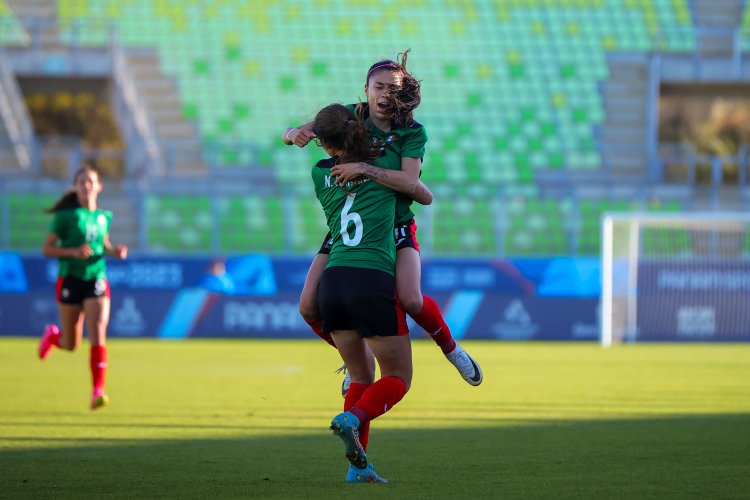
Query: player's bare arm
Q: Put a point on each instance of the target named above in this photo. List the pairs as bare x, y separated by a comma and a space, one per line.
404, 181
299, 136
118, 251
51, 249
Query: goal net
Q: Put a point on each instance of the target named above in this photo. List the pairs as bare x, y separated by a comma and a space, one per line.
675, 277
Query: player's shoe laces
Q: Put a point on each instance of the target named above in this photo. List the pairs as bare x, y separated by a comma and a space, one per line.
466, 366
99, 400
46, 343
347, 380
366, 475
346, 426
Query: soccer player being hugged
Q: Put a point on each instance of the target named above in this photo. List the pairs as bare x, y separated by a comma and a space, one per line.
357, 294
79, 239
392, 96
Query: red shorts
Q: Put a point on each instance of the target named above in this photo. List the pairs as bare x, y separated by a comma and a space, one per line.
406, 236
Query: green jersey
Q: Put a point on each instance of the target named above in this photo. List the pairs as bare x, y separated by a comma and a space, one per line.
398, 143
361, 223
76, 226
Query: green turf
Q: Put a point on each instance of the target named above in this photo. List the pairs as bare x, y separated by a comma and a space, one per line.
230, 419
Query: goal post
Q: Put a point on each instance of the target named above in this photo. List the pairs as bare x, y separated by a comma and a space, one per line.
675, 277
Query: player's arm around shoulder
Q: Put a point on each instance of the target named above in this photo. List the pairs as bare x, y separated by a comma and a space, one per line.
404, 181
299, 136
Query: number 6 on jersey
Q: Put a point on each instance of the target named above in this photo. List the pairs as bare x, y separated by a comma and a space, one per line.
346, 218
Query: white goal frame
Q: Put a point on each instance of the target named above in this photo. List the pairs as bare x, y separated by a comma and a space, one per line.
638, 221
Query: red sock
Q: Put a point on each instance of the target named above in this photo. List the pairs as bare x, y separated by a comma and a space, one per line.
98, 362
433, 323
352, 396
317, 327
379, 398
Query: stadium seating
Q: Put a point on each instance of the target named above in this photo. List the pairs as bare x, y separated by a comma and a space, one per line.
246, 69
28, 222
745, 31
509, 88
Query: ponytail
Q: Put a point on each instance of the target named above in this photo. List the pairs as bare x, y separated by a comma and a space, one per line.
68, 200
337, 127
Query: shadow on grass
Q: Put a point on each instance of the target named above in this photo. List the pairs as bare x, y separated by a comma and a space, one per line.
698, 456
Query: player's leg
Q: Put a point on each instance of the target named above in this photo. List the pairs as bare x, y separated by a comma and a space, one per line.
362, 370
69, 335
393, 354
97, 311
71, 327
308, 300
376, 314
426, 313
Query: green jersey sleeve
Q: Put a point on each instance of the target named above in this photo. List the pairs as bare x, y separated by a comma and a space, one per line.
413, 145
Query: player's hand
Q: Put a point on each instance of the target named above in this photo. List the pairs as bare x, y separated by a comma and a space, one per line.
120, 251
301, 136
82, 252
345, 173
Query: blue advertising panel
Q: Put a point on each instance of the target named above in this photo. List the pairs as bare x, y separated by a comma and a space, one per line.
678, 301
255, 296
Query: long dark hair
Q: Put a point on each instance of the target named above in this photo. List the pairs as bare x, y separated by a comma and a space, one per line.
405, 99
338, 128
70, 198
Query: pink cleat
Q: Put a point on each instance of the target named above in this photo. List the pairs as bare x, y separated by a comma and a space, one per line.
49, 340
99, 399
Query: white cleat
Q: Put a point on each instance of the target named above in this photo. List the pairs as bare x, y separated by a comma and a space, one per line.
466, 366
347, 380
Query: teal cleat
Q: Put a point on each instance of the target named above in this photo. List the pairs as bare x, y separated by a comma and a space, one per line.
366, 475
346, 426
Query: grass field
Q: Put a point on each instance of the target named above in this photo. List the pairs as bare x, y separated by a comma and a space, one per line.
230, 419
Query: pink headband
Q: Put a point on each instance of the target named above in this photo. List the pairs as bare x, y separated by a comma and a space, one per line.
386, 64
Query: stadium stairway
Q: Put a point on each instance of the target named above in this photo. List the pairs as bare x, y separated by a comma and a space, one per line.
15, 124
115, 197
625, 132
179, 137
716, 23
38, 17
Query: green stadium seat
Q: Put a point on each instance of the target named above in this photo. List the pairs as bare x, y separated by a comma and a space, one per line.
28, 221
464, 227
180, 224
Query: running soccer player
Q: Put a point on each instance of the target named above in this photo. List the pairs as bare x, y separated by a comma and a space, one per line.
357, 295
392, 96
79, 239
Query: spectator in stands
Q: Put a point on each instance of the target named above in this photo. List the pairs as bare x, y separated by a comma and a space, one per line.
357, 294
79, 239
392, 96
217, 279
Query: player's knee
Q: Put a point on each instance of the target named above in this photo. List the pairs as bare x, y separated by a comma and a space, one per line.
66, 345
411, 303
309, 312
